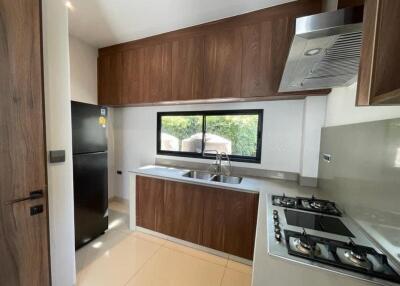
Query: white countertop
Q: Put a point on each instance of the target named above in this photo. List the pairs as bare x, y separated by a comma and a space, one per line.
267, 270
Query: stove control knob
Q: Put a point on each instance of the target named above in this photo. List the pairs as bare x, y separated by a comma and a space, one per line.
275, 212
276, 217
277, 230
278, 237
276, 223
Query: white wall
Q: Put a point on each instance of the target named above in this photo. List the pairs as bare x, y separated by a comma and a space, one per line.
135, 136
83, 71
58, 136
341, 109
313, 121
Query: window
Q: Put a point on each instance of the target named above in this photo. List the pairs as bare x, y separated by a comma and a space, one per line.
197, 134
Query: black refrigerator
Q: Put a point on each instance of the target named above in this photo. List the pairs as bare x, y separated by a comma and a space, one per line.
89, 144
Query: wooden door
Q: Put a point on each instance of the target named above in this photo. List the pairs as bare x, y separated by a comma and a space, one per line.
230, 221
379, 73
183, 211
24, 248
223, 64
149, 202
109, 73
188, 68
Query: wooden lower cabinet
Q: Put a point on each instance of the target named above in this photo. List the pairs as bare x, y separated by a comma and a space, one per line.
230, 219
149, 202
221, 219
183, 211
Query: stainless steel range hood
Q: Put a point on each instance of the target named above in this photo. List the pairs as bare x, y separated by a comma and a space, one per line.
325, 51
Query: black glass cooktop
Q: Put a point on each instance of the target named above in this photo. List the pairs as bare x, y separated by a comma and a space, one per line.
317, 222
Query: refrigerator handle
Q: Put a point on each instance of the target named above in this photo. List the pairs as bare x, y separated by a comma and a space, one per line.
32, 196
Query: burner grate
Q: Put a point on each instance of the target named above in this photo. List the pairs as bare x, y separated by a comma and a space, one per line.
337, 253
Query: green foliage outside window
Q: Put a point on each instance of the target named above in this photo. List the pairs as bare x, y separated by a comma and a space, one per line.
241, 130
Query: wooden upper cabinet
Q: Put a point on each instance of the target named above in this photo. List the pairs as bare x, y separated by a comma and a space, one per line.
265, 49
132, 77
379, 74
237, 58
223, 64
109, 75
188, 68
156, 79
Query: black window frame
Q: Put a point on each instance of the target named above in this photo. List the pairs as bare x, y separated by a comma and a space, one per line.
236, 158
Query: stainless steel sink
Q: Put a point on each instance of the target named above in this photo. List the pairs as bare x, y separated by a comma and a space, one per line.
227, 179
203, 175
198, 175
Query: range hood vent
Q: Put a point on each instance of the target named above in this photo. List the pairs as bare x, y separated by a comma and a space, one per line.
325, 51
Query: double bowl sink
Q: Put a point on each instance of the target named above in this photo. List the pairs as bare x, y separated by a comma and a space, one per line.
202, 175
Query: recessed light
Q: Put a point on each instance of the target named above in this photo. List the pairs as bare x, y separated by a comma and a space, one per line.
313, 52
69, 5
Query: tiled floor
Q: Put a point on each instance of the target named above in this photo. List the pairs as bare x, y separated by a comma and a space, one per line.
123, 258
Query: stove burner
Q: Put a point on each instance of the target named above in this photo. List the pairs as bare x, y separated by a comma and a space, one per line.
305, 247
316, 205
308, 204
357, 259
349, 256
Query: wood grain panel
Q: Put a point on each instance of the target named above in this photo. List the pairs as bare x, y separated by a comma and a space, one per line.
157, 73
24, 254
379, 73
386, 75
240, 223
183, 211
230, 221
188, 68
214, 219
132, 76
223, 64
149, 202
109, 74
265, 49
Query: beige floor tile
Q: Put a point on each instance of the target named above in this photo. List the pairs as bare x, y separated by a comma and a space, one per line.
236, 278
119, 206
118, 264
197, 253
239, 267
169, 267
149, 237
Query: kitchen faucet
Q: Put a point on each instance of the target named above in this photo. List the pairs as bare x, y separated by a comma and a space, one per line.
217, 165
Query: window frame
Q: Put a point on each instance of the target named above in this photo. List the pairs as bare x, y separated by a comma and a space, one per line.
204, 114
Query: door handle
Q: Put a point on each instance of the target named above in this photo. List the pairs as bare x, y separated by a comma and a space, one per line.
32, 196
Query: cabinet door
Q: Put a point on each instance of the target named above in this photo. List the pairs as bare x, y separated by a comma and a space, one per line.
183, 211
132, 77
110, 79
188, 68
149, 202
230, 221
223, 64
265, 49
379, 73
156, 82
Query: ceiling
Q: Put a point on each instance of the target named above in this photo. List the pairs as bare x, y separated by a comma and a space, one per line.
106, 22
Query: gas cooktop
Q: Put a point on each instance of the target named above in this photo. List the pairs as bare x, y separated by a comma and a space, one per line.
308, 204
313, 231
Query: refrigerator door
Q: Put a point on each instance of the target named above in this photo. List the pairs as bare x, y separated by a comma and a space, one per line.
90, 196
88, 128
